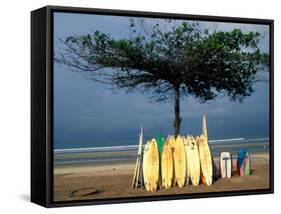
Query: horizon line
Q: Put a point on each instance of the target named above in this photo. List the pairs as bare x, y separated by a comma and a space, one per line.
113, 148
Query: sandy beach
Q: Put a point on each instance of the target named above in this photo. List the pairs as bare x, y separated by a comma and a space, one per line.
111, 180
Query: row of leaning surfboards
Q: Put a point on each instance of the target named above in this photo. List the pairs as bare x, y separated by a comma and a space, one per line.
180, 160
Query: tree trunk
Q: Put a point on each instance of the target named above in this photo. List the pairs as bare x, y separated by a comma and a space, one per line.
177, 111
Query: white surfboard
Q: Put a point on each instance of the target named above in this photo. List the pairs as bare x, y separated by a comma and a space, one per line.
225, 165
193, 161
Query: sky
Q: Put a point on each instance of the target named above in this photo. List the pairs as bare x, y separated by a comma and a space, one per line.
89, 114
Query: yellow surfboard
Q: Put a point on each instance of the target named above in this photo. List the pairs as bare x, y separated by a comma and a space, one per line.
151, 166
204, 127
180, 161
193, 160
185, 142
205, 160
167, 166
145, 167
205, 133
172, 142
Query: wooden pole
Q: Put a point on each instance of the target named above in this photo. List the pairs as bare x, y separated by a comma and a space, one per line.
135, 173
139, 157
138, 167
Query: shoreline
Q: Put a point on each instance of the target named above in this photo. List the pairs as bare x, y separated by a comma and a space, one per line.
113, 180
100, 155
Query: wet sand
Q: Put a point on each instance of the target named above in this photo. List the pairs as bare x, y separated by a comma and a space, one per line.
113, 180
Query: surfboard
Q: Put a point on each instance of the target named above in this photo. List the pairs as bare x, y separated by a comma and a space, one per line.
185, 142
160, 143
247, 165
205, 160
243, 163
172, 141
167, 166
225, 165
180, 161
145, 167
204, 127
193, 161
205, 133
151, 166
153, 162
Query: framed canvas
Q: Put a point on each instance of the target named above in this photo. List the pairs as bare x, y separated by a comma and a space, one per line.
131, 106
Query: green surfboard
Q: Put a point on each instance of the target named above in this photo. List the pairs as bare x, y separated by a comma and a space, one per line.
160, 143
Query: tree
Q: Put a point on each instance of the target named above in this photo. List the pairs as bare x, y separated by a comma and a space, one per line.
179, 61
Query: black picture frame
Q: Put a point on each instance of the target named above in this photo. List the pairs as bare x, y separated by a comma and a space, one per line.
42, 104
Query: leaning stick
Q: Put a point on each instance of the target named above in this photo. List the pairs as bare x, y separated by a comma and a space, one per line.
134, 178
139, 156
135, 173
